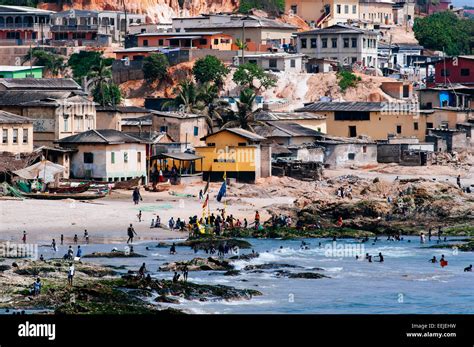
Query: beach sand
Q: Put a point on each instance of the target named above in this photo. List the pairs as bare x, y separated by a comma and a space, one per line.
107, 219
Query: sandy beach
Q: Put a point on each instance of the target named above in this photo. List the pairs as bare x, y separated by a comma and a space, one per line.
107, 219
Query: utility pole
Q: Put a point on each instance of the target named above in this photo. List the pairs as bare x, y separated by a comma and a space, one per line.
243, 41
126, 19
444, 66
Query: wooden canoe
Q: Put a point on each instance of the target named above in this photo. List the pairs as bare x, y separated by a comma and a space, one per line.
48, 196
70, 190
130, 184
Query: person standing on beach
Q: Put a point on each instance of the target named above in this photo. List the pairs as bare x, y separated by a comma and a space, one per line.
131, 232
185, 273
24, 236
62, 239
70, 274
86, 236
458, 181
141, 271
79, 252
139, 215
75, 239
53, 245
136, 196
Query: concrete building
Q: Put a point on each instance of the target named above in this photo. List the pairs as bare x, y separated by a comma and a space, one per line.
236, 152
376, 11
287, 133
181, 127
111, 117
106, 155
324, 13
87, 27
22, 25
259, 33
399, 55
58, 107
21, 71
196, 40
17, 133
276, 62
404, 12
344, 152
345, 44
454, 70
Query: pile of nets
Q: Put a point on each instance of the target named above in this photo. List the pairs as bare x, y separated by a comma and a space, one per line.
9, 190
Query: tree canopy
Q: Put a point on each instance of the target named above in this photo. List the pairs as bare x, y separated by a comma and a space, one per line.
52, 62
445, 31
252, 76
83, 63
210, 69
155, 67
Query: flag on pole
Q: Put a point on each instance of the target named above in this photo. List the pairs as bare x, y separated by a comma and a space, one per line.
206, 188
205, 202
223, 189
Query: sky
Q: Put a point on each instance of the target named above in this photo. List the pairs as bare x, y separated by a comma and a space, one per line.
460, 3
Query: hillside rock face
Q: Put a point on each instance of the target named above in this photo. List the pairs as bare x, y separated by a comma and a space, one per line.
156, 10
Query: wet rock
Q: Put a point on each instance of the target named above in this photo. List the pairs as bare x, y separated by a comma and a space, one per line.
207, 243
232, 273
307, 275
269, 266
245, 256
5, 268
198, 264
165, 299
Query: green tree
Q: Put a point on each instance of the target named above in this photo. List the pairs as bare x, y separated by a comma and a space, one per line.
210, 69
155, 67
52, 62
82, 63
347, 79
107, 94
270, 6
252, 76
244, 117
445, 31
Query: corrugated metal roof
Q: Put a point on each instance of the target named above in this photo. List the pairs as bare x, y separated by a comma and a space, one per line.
238, 131
275, 116
342, 106
122, 109
39, 84
15, 98
101, 136
295, 129
10, 118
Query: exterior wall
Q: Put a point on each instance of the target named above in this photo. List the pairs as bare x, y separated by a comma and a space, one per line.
380, 125
337, 155
395, 89
36, 72
363, 54
224, 42
379, 12
310, 154
20, 146
309, 10
182, 129
266, 161
103, 168
315, 124
109, 120
442, 118
282, 63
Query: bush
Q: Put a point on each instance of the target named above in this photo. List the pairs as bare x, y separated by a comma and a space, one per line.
155, 67
347, 79
270, 6
209, 69
51, 62
107, 94
83, 62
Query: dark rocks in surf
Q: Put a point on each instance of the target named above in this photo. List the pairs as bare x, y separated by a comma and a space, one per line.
245, 256
213, 242
232, 273
198, 264
269, 266
115, 254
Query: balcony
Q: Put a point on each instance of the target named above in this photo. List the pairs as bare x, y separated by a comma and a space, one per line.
73, 28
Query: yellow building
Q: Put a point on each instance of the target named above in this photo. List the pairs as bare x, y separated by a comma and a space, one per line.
17, 133
323, 13
309, 120
379, 120
236, 152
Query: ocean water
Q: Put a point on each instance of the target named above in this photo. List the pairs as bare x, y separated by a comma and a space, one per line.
406, 282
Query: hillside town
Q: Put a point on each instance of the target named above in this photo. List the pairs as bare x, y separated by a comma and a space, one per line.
317, 118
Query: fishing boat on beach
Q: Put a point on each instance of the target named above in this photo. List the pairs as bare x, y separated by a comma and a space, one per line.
129, 184
61, 196
70, 189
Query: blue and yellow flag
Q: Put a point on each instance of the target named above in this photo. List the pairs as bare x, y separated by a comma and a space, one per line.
223, 189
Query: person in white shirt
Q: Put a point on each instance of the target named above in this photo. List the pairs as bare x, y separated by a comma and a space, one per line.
70, 274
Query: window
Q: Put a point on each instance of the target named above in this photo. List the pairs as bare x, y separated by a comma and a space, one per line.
346, 43
112, 157
364, 149
444, 73
346, 9
351, 115
204, 42
352, 131
429, 125
314, 43
196, 131
242, 144
303, 43
4, 135
292, 63
25, 136
334, 43
125, 157
399, 129
354, 9
354, 42
216, 41
145, 43
15, 135
294, 9
163, 128
160, 42
139, 157
351, 156
325, 43
415, 126
465, 72
88, 158
66, 123
338, 9
272, 63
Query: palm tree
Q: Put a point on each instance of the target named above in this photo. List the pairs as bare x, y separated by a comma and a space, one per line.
244, 117
100, 76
